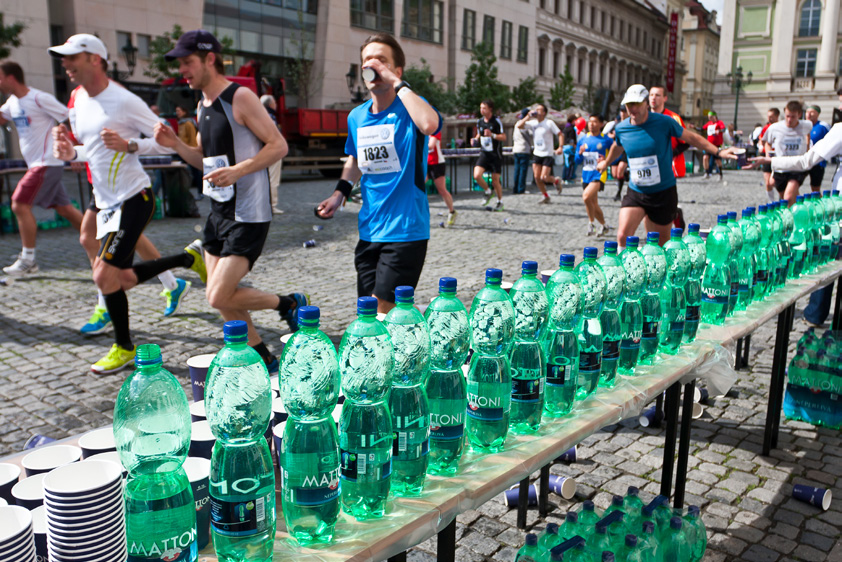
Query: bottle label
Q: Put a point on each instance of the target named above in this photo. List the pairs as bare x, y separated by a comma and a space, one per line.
318, 489
712, 297
610, 350
485, 408
677, 326
590, 361
630, 344
693, 313
242, 518
411, 445
735, 289
754, 279
356, 465
558, 375
447, 427
762, 276
174, 549
650, 330
742, 288
527, 390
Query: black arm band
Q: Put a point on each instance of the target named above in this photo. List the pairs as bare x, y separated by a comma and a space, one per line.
344, 187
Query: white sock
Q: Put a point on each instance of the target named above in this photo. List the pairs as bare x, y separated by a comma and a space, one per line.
100, 299
167, 279
499, 201
770, 195
27, 254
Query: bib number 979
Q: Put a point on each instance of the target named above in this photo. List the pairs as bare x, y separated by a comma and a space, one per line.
645, 173
376, 153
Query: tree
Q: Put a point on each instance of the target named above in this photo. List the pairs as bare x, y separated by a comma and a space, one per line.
9, 36
561, 94
525, 94
481, 82
301, 67
424, 85
159, 68
591, 101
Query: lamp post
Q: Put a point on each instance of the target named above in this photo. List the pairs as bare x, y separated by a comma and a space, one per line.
356, 91
736, 80
129, 52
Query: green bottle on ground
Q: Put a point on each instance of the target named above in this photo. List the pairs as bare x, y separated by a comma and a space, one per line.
530, 551
696, 532
550, 537
675, 547
570, 528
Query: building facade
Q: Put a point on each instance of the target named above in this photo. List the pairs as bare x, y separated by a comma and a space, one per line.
790, 46
700, 51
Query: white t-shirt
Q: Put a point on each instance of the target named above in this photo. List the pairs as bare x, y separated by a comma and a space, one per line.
117, 176
789, 142
543, 133
34, 116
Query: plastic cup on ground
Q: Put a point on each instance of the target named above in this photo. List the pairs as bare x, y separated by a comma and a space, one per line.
511, 497
97, 441
198, 367
47, 458
201, 440
568, 456
563, 486
29, 492
197, 411
819, 497
9, 476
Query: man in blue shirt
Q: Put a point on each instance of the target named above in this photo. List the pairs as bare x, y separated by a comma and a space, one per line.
817, 133
590, 150
646, 138
387, 152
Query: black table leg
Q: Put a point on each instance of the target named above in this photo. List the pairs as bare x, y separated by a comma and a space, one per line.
836, 323
446, 550
738, 360
776, 384
790, 311
659, 409
684, 444
673, 395
522, 503
398, 557
746, 347
544, 491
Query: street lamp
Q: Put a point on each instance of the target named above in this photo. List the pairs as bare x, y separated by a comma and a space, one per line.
130, 54
736, 80
356, 91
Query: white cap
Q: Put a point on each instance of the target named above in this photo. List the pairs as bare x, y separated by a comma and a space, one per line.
81, 43
635, 94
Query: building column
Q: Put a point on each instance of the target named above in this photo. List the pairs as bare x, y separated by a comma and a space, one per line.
780, 79
826, 65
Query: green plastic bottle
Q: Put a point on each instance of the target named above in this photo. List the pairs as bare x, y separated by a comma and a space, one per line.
631, 311
612, 329
589, 515
648, 542
734, 262
675, 546
672, 295
560, 344
570, 528
697, 534
630, 551
716, 283
632, 506
550, 537
656, 270
530, 551
592, 281
693, 288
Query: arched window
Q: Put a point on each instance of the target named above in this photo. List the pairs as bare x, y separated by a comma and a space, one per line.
811, 12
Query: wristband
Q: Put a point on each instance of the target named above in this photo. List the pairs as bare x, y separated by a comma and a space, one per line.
344, 187
403, 91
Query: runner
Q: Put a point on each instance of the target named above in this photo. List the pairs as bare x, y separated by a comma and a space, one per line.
490, 136
542, 130
34, 114
620, 166
817, 133
772, 117
645, 137
237, 143
789, 137
101, 111
713, 129
657, 103
436, 171
385, 146
591, 150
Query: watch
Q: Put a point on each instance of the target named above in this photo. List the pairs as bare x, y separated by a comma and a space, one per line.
402, 85
132, 147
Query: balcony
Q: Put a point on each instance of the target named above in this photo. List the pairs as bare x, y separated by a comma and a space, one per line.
804, 84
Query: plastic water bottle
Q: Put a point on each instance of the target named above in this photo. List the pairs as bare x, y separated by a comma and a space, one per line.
775, 267
656, 269
828, 212
696, 533
765, 262
531, 306
616, 505
716, 283
561, 346
631, 312
588, 516
238, 403
309, 456
673, 299
408, 399
693, 287
612, 329
747, 265
675, 546
592, 280
366, 360
447, 391
648, 542
789, 224
733, 263
152, 434
530, 551
550, 537
570, 528
798, 240
489, 377
632, 506
784, 249
832, 222
630, 551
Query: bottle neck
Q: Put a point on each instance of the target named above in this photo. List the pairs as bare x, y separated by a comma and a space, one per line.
446, 294
236, 341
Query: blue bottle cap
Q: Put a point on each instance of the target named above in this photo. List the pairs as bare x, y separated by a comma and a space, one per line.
447, 284
493, 276
799, 198
552, 528
366, 305
835, 192
633, 491
694, 511
772, 205
653, 237
732, 215
648, 527
591, 252
404, 293
566, 259
675, 523
720, 219
676, 232
609, 245
762, 208
631, 541
235, 328
607, 556
531, 539
746, 213
308, 314
617, 501
632, 241
826, 193
752, 209
693, 227
572, 516
529, 267
588, 505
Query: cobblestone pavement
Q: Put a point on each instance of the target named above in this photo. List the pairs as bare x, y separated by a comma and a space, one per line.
46, 386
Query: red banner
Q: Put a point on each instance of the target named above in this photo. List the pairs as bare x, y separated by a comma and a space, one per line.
671, 54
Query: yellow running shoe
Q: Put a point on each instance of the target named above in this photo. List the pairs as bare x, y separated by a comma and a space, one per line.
195, 250
116, 359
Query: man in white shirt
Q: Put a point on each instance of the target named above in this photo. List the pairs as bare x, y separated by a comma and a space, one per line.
790, 137
34, 114
543, 130
102, 116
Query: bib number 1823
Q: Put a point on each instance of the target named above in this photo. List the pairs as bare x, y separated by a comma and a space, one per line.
376, 152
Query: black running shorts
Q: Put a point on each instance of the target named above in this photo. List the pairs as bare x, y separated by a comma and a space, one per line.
225, 237
436, 171
383, 266
816, 176
490, 162
782, 178
660, 207
117, 248
547, 161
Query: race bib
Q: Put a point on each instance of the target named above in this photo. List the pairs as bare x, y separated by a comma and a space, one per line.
108, 220
219, 194
487, 143
591, 159
645, 171
711, 130
792, 146
539, 140
376, 152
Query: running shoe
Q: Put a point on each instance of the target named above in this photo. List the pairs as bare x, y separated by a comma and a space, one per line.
707, 176
194, 248
488, 195
544, 200
499, 206
174, 297
98, 323
117, 358
557, 183
591, 229
273, 367
451, 218
291, 315
678, 221
604, 230
21, 267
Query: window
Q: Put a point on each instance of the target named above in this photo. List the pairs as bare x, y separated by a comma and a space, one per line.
542, 54
143, 45
582, 11
811, 11
805, 63
542, 4
593, 16
580, 72
422, 19
123, 38
591, 74
522, 43
557, 7
622, 29
839, 64
506, 41
488, 30
556, 57
602, 22
469, 30
377, 15
637, 32
612, 26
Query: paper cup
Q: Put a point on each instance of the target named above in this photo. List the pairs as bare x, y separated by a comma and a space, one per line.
36, 441
80, 480
704, 397
39, 529
740, 153
9, 476
197, 411
506, 286
198, 472
279, 415
97, 441
818, 497
3, 502
15, 522
511, 497
651, 417
198, 367
562, 486
276, 386
29, 492
47, 458
546, 274
201, 440
278, 440
381, 316
284, 340
698, 410
568, 456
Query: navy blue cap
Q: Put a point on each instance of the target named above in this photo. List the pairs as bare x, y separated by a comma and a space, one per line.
493, 276
653, 236
404, 293
675, 523
566, 259
607, 556
633, 491
531, 539
721, 219
762, 208
746, 213
632, 240
366, 305
732, 214
235, 328
609, 245
197, 40
572, 516
591, 252
552, 528
587, 505
648, 527
676, 232
826, 193
752, 209
631, 541
447, 283
835, 192
308, 314
529, 267
694, 510
617, 500
799, 198
693, 227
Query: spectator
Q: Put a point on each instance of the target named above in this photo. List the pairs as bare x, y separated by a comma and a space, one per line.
275, 169
522, 152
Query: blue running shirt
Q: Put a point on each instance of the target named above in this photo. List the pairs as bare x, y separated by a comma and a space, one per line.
392, 155
649, 148
594, 148
820, 129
